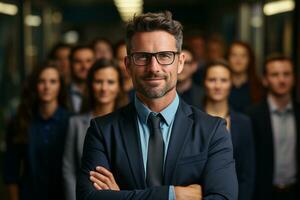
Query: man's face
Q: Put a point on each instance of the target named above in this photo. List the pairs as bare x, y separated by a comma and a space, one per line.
62, 56
190, 67
120, 55
238, 59
154, 80
198, 47
215, 51
103, 50
82, 61
279, 78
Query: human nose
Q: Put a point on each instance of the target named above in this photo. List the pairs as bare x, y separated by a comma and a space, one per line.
153, 64
218, 84
104, 86
86, 65
47, 84
281, 78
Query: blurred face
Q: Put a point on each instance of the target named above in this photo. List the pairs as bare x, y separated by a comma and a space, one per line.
190, 66
198, 46
48, 86
62, 56
121, 54
103, 50
215, 51
217, 83
106, 85
154, 80
83, 59
238, 59
279, 78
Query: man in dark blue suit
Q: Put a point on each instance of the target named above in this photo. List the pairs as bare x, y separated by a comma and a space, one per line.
276, 128
157, 147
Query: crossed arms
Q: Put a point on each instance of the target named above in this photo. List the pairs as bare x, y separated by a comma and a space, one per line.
219, 178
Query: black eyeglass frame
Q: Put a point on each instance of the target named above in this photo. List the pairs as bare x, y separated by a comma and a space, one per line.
155, 55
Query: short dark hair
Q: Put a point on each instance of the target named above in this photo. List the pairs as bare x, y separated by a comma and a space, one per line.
78, 48
151, 22
118, 45
55, 48
102, 40
189, 49
275, 57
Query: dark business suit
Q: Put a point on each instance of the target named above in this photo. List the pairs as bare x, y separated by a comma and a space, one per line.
243, 153
199, 152
36, 166
193, 96
263, 138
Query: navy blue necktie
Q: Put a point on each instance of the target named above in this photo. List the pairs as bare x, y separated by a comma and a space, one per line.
155, 152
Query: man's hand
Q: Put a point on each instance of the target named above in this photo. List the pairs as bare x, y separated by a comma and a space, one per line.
103, 179
191, 192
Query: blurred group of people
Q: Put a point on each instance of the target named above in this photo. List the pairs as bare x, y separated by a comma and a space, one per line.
45, 138
262, 115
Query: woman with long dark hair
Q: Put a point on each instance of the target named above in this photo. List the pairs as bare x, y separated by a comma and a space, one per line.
217, 84
246, 86
35, 138
105, 94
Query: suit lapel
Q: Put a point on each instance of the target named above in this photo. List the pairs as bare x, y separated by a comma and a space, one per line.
267, 134
267, 123
180, 132
297, 121
129, 132
233, 127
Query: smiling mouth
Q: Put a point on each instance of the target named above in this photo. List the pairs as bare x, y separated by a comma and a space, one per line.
153, 82
153, 79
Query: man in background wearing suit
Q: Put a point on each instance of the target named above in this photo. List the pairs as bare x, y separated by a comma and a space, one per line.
157, 147
82, 57
276, 131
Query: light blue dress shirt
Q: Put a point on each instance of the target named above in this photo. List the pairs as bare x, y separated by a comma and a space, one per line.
166, 125
284, 138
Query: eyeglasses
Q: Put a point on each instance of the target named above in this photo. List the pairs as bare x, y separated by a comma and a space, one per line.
162, 57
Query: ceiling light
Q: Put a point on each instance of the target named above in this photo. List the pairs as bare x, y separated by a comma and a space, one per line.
128, 8
33, 20
277, 7
71, 37
8, 9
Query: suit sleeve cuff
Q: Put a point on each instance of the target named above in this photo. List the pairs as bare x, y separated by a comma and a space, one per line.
171, 193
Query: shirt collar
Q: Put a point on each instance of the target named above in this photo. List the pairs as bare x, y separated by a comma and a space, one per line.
168, 113
274, 107
56, 115
74, 89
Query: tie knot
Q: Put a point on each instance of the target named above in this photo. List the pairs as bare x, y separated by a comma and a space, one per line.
154, 120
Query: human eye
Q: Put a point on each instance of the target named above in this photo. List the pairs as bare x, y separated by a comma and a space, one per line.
224, 80
111, 82
140, 56
211, 80
274, 74
287, 74
97, 81
53, 81
165, 55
